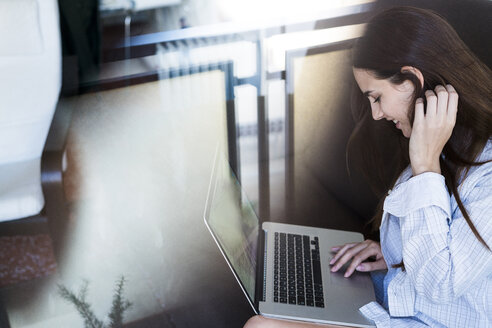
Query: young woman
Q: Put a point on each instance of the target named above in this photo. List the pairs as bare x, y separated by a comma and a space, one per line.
433, 264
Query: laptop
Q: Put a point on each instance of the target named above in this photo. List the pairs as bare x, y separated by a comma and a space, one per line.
283, 269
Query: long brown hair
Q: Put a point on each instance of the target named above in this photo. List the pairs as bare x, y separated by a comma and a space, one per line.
407, 36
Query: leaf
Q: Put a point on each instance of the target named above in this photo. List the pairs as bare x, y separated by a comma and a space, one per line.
119, 306
84, 308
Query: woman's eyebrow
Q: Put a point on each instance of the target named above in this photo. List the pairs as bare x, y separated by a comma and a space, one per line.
367, 93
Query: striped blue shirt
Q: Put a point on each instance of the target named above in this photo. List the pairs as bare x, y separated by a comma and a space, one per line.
447, 280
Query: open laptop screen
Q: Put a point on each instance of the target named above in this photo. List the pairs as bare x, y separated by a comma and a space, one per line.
233, 223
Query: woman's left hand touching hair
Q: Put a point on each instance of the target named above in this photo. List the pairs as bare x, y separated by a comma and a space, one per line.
432, 130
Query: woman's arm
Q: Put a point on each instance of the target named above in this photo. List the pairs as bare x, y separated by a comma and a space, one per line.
442, 257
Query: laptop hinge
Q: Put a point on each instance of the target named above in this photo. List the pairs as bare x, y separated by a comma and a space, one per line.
260, 288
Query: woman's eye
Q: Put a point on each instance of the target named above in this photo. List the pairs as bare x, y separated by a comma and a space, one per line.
377, 99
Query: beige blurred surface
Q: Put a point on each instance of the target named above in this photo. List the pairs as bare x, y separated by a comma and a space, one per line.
142, 158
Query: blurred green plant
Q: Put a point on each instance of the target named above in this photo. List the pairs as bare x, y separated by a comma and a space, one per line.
118, 308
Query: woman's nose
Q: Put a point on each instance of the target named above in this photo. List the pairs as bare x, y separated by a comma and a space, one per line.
377, 113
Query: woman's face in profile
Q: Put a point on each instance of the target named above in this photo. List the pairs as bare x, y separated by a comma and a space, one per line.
388, 101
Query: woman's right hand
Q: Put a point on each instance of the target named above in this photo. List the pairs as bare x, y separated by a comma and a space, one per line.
358, 253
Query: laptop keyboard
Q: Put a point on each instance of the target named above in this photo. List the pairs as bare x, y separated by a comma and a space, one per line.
297, 271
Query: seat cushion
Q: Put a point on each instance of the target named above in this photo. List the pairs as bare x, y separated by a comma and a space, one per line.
20, 189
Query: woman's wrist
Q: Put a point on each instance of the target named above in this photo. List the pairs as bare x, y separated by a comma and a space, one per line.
426, 167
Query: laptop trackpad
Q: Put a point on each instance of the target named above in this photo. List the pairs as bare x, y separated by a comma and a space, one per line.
357, 279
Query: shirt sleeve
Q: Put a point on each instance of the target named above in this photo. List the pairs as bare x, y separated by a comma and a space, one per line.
442, 256
375, 312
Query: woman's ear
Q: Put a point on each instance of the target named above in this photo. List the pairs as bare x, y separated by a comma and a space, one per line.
416, 72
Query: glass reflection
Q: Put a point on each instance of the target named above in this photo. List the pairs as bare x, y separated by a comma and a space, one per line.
141, 143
